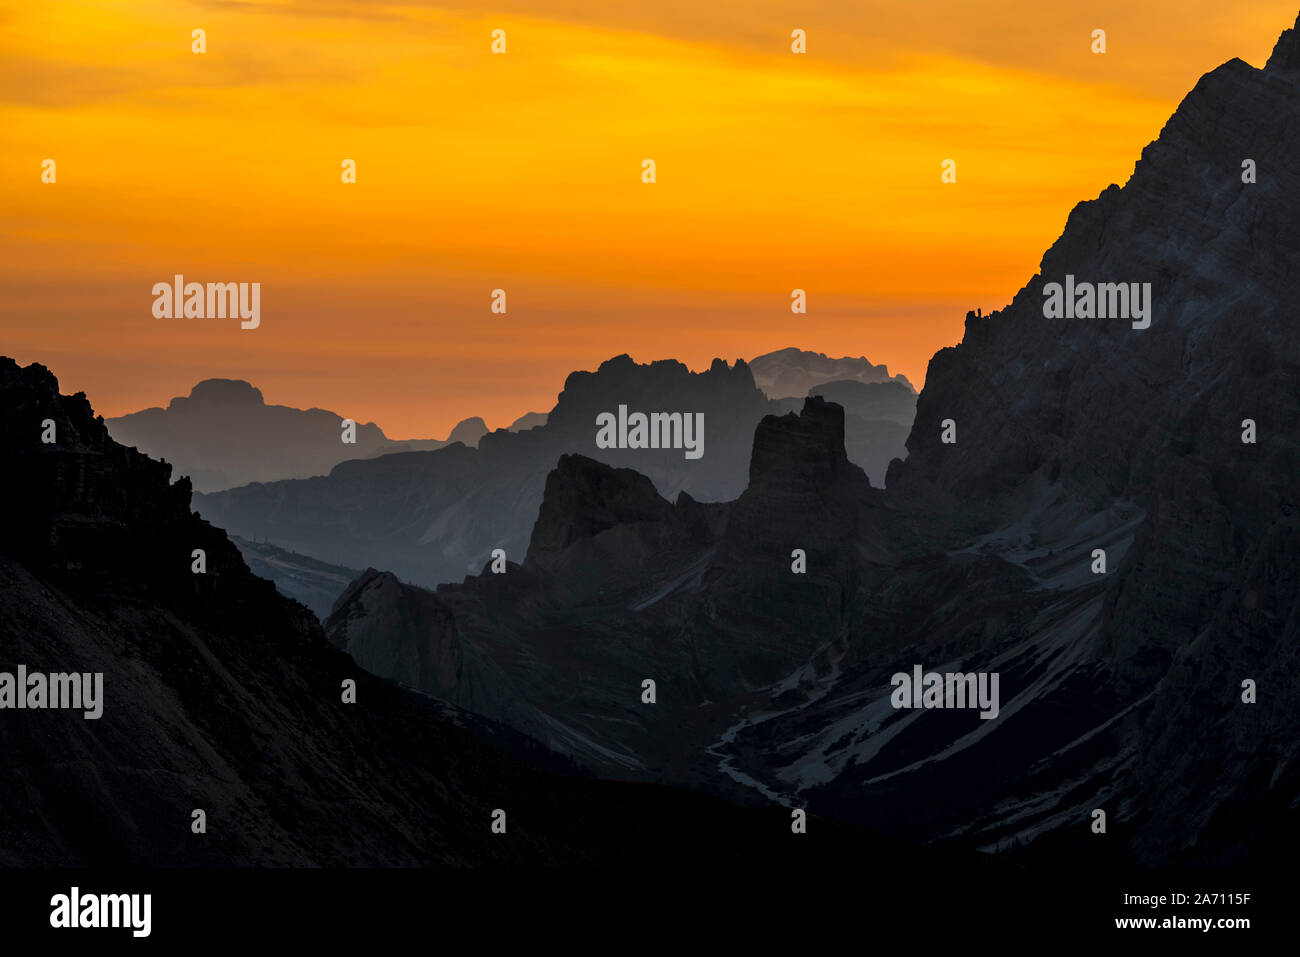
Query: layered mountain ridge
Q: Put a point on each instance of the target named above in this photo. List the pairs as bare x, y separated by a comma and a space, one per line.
221, 695
433, 517
1102, 513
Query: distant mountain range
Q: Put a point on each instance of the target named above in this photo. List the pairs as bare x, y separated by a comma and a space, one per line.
432, 517
795, 373
224, 434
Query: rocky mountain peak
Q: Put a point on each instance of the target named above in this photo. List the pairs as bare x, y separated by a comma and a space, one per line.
468, 431
68, 476
31, 395
370, 579
88, 511
809, 444
583, 498
220, 394
1286, 52
1202, 240
663, 385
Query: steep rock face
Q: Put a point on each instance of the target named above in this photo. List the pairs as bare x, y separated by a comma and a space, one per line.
805, 450
1250, 780
1096, 401
785, 582
1110, 418
84, 497
1285, 58
803, 494
1082, 434
877, 419
407, 635
584, 499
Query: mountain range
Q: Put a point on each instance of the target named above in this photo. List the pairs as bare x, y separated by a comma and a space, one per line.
432, 517
223, 434
1103, 514
1100, 513
222, 696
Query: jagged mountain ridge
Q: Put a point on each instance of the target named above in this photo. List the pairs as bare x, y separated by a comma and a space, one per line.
1072, 435
435, 517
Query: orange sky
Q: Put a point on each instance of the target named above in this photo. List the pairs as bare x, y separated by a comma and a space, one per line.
522, 171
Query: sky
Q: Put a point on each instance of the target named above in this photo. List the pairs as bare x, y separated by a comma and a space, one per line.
522, 171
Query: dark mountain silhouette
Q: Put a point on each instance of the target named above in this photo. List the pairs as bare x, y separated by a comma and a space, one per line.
795, 373
1120, 690
435, 517
222, 695
223, 434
